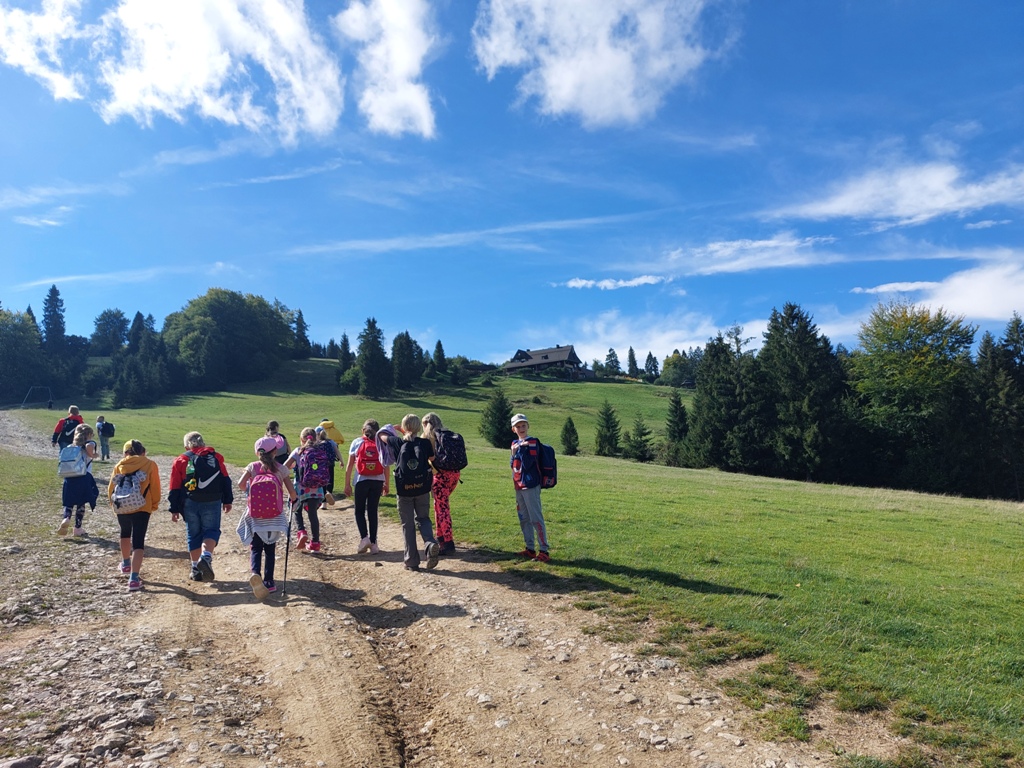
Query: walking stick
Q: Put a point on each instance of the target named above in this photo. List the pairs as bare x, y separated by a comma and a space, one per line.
288, 545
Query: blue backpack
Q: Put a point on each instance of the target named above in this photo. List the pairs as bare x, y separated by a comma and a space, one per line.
548, 467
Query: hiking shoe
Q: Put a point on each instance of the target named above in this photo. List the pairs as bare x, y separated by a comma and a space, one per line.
270, 585
125, 569
80, 532
542, 557
196, 574
329, 499
314, 546
364, 545
301, 540
258, 587
62, 529
432, 551
529, 554
205, 567
374, 549
448, 548
134, 585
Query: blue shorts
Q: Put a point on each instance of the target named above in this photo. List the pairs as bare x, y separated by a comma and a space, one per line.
202, 521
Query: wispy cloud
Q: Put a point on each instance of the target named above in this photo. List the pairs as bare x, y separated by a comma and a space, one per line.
128, 276
614, 285
54, 218
299, 173
456, 239
912, 194
784, 249
605, 62
11, 198
907, 287
396, 39
987, 224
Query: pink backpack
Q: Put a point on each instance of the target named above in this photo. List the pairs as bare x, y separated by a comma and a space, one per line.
266, 494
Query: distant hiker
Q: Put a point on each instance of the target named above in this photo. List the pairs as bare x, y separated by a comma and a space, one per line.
371, 480
79, 488
200, 491
334, 456
64, 432
526, 479
134, 493
442, 486
265, 520
334, 435
310, 462
283, 449
104, 431
412, 484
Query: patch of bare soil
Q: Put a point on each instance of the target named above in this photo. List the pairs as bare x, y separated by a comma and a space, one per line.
355, 662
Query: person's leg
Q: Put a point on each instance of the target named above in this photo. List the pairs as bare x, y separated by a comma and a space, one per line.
374, 491
432, 549
407, 514
65, 521
124, 522
524, 521
536, 518
360, 492
314, 519
256, 548
442, 487
301, 537
79, 519
270, 557
140, 525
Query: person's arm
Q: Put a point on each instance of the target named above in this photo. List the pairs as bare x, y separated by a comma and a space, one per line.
176, 494
292, 495
243, 481
348, 473
153, 492
90, 449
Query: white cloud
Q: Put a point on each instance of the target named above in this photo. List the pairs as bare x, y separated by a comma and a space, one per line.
614, 285
987, 224
208, 56
913, 194
32, 42
784, 249
655, 333
26, 198
606, 62
897, 287
129, 276
991, 291
397, 39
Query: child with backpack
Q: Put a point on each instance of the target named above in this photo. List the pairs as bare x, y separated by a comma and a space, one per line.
64, 432
311, 462
265, 519
526, 477
79, 488
445, 480
105, 431
371, 480
413, 477
134, 493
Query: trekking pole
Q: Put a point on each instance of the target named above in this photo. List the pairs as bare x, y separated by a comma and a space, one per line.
288, 546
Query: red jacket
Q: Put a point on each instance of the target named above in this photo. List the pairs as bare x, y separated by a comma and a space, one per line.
59, 429
177, 495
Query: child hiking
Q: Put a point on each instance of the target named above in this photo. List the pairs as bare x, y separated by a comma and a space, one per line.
443, 485
412, 485
79, 486
134, 493
310, 462
371, 480
265, 520
64, 432
526, 478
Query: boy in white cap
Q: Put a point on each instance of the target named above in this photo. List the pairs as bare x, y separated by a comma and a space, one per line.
525, 463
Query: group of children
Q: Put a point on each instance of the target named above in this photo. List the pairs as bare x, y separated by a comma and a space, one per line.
200, 490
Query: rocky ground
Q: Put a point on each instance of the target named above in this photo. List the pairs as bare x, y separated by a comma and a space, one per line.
357, 662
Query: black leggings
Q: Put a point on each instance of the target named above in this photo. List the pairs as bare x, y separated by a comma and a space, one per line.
134, 527
310, 506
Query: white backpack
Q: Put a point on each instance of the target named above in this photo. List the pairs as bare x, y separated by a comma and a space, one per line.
128, 496
73, 461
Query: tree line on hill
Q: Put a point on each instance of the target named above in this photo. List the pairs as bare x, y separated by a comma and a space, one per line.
911, 408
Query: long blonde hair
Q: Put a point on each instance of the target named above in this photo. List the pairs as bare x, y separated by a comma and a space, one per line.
411, 426
83, 432
431, 424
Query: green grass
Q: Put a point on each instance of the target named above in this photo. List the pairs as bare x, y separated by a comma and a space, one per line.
891, 600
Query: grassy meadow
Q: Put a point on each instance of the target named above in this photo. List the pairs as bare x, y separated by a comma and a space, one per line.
884, 600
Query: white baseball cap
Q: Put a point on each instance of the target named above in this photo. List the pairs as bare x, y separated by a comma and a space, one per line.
519, 417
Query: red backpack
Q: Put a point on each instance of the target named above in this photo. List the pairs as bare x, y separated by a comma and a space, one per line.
266, 494
368, 460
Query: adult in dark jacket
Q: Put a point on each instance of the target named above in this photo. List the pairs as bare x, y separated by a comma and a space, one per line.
200, 491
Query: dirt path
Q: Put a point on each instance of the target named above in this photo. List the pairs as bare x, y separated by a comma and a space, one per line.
358, 663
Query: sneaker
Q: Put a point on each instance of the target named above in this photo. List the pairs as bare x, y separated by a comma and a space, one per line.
258, 587
314, 546
62, 529
329, 499
542, 557
301, 540
374, 549
432, 551
529, 554
364, 545
125, 569
270, 585
134, 585
80, 532
196, 575
205, 567
411, 567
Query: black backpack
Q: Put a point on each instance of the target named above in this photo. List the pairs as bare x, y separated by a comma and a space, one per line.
107, 430
202, 477
450, 454
67, 431
412, 470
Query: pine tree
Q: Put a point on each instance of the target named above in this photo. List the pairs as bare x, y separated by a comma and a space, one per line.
677, 425
53, 322
405, 360
331, 352
651, 368
303, 348
632, 369
345, 357
611, 363
375, 376
496, 420
440, 361
637, 444
570, 438
608, 431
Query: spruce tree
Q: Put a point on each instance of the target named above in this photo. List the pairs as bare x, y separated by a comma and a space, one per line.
608, 431
632, 369
611, 363
638, 442
570, 438
375, 376
440, 361
405, 360
678, 422
345, 357
651, 367
53, 322
496, 420
303, 349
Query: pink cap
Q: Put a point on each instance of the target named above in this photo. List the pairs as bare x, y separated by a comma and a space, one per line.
266, 445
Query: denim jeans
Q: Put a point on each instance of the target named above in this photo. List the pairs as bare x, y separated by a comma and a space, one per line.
202, 521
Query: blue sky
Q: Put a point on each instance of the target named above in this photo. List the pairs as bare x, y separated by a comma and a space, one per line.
516, 173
